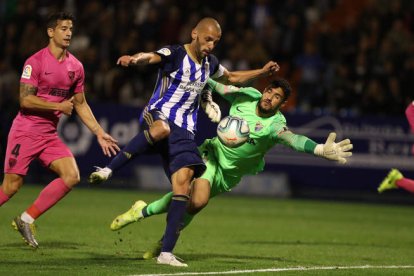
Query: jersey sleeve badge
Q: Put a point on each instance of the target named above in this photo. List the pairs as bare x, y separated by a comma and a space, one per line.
164, 51
27, 72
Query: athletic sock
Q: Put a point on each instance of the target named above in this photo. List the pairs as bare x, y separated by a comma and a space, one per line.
3, 197
406, 184
187, 219
27, 218
138, 145
48, 197
174, 222
409, 113
159, 206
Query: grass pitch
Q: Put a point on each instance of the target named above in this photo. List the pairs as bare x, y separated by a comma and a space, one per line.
232, 233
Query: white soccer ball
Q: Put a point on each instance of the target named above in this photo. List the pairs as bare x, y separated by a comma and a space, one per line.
233, 131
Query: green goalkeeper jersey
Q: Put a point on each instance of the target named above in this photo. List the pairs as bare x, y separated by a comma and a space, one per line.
264, 133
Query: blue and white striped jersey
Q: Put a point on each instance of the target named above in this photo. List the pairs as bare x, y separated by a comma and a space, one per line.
179, 85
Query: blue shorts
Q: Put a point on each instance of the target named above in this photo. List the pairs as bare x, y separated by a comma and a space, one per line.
179, 150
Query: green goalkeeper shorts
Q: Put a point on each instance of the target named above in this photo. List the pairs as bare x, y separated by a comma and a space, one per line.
220, 182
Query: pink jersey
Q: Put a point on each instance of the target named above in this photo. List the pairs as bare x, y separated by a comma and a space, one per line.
55, 81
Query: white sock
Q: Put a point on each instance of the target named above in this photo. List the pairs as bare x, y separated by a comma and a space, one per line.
27, 218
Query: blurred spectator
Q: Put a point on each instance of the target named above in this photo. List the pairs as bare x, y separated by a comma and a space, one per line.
364, 64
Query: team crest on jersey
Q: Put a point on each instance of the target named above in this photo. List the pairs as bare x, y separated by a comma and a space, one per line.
258, 126
71, 75
164, 51
12, 162
27, 72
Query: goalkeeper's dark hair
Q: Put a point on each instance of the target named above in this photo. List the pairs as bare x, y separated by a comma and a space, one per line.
284, 84
52, 19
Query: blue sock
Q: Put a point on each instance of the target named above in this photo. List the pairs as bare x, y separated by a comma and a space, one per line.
138, 145
175, 219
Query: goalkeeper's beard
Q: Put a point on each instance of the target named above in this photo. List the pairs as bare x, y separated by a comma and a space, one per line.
267, 112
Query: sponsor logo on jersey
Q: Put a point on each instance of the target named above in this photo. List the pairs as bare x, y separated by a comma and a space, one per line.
27, 72
71, 75
258, 126
164, 51
59, 93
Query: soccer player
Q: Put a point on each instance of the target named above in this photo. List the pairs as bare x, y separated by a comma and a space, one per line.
226, 166
395, 179
52, 84
169, 119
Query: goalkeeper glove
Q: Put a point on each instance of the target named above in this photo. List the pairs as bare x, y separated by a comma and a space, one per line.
334, 151
210, 108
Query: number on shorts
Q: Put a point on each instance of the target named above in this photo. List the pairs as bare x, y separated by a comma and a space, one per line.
16, 150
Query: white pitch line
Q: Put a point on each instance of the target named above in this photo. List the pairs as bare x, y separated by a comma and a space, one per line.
300, 268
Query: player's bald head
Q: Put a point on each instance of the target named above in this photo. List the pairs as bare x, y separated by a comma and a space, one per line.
205, 36
208, 24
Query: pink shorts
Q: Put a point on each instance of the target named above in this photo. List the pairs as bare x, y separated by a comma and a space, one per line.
409, 113
23, 148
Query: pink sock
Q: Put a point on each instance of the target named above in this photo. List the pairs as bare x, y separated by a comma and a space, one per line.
406, 184
3, 197
409, 113
48, 197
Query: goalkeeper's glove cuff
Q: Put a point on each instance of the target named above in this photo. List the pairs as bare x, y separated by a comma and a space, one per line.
318, 151
210, 108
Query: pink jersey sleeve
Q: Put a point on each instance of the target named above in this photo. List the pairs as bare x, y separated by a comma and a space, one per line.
80, 84
31, 72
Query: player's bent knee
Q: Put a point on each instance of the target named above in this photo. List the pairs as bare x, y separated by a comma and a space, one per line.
71, 179
11, 185
196, 206
11, 189
160, 130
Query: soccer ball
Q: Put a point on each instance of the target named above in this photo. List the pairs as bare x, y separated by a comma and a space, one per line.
233, 131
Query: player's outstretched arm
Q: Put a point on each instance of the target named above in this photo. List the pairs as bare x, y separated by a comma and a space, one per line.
330, 150
209, 106
334, 151
242, 77
139, 59
222, 89
108, 144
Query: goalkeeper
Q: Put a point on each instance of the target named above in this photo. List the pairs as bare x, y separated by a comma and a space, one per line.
226, 166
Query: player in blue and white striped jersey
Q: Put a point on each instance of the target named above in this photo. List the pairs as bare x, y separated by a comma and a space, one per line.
180, 78
168, 122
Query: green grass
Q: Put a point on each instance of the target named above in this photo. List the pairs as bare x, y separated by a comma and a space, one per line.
233, 233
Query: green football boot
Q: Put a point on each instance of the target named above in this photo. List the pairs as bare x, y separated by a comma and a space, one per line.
132, 215
389, 182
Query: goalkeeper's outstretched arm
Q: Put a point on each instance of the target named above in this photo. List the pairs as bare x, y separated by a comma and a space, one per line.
330, 150
209, 106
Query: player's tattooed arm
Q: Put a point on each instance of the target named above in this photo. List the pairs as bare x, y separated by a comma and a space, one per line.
29, 100
27, 90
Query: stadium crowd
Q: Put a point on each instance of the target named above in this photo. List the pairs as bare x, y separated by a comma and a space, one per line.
344, 57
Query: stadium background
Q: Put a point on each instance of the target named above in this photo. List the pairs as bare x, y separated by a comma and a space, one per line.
350, 64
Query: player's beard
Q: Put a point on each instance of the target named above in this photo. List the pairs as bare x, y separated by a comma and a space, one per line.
270, 111
199, 51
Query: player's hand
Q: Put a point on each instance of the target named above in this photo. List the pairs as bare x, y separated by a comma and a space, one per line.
271, 68
334, 151
66, 106
210, 108
124, 60
108, 144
